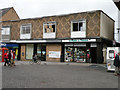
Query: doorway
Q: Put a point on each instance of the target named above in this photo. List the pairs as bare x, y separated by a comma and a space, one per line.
41, 51
93, 55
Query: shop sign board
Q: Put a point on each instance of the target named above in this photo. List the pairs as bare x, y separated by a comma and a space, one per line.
54, 54
93, 45
80, 40
2, 44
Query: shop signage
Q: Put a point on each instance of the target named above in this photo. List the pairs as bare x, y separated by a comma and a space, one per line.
80, 40
93, 45
2, 44
54, 54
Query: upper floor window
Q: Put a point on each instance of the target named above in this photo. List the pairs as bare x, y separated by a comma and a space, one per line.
6, 30
78, 25
49, 27
26, 29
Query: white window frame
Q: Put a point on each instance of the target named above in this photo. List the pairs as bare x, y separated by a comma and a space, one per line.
49, 34
25, 35
78, 21
24, 25
46, 23
4, 30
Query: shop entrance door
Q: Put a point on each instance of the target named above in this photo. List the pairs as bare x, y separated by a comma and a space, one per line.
93, 55
41, 51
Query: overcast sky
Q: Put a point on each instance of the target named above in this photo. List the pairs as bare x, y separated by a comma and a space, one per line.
39, 8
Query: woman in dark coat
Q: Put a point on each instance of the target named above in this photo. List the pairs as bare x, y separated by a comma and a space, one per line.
117, 64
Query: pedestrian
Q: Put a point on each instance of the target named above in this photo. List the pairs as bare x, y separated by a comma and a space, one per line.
6, 58
10, 56
14, 58
117, 64
35, 58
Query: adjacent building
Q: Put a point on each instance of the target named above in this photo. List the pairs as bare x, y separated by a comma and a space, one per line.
7, 14
77, 37
117, 3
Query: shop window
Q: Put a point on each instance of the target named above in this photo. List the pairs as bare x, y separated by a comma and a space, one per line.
26, 29
29, 51
79, 25
49, 27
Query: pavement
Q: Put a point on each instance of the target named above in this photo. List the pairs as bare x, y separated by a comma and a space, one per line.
58, 75
59, 63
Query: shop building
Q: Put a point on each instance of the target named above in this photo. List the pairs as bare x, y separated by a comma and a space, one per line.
7, 14
77, 37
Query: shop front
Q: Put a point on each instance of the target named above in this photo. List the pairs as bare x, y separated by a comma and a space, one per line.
28, 50
77, 52
71, 50
81, 50
13, 47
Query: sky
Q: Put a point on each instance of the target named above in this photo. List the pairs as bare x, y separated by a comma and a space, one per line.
39, 8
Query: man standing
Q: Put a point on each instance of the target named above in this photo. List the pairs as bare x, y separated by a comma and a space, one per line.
10, 57
6, 58
117, 64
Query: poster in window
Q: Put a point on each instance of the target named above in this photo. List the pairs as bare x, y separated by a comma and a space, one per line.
54, 54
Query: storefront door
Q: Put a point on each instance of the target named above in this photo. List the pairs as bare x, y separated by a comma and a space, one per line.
41, 51
29, 51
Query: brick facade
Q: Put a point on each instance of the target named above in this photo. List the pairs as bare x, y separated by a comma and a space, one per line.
10, 15
63, 26
52, 47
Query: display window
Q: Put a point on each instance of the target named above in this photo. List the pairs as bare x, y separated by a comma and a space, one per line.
29, 51
76, 54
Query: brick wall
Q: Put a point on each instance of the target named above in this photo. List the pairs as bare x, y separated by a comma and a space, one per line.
23, 52
10, 15
63, 25
52, 47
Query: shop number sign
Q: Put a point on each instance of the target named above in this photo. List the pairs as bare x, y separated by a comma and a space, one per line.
54, 54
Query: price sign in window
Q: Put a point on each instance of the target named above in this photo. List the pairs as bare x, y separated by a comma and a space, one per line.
111, 54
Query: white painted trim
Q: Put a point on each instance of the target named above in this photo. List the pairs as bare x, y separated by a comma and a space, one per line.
80, 40
78, 34
51, 32
28, 41
26, 34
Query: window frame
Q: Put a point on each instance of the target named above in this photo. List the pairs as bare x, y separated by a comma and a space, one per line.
78, 21
4, 29
48, 23
24, 25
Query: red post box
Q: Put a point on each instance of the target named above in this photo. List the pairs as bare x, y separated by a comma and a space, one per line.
2, 52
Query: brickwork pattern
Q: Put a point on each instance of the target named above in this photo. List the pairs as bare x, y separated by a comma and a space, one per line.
63, 25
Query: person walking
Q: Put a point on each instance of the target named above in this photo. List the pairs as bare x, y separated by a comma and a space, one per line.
117, 64
10, 57
6, 58
14, 58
